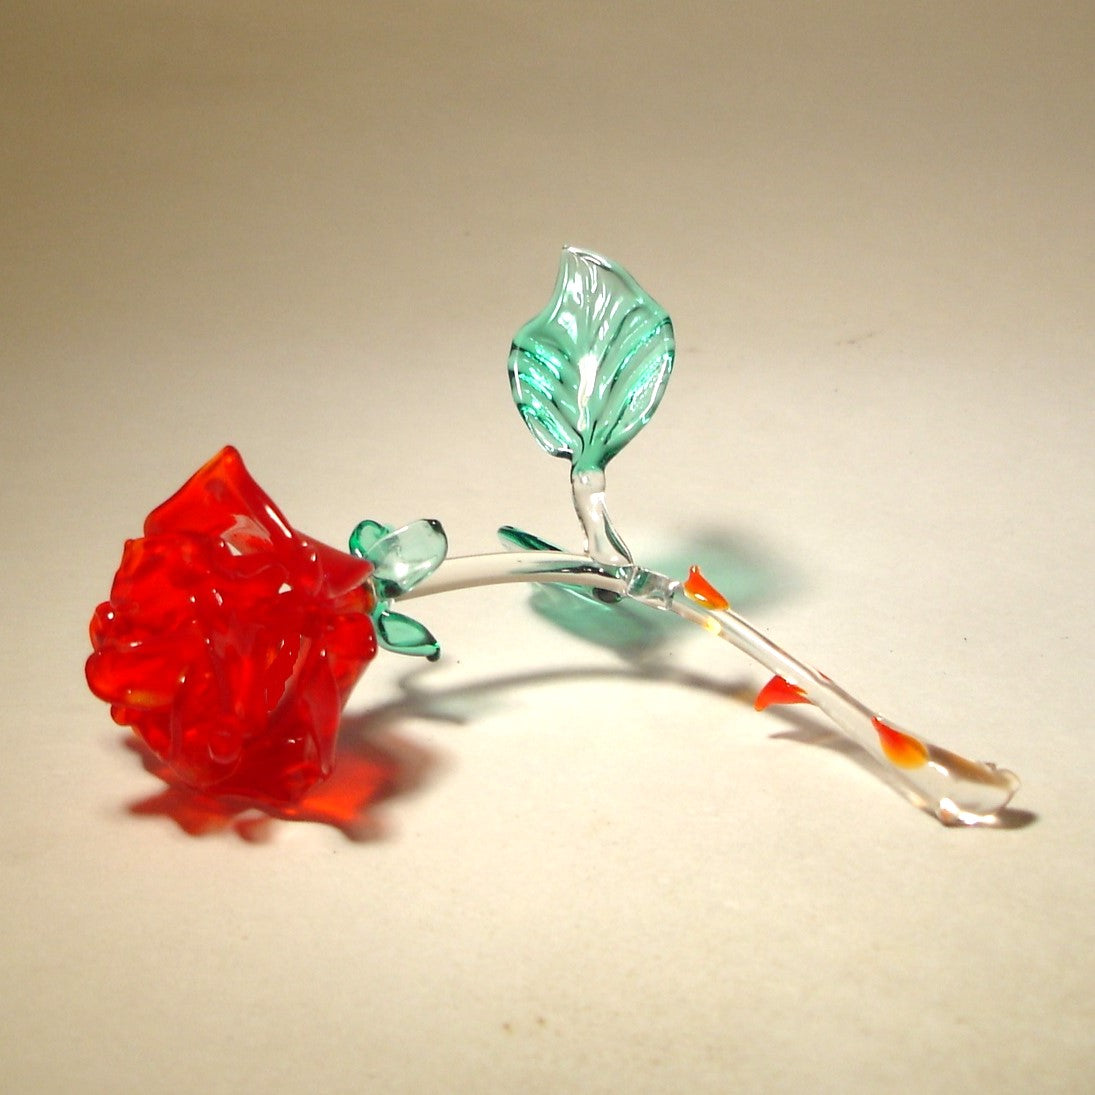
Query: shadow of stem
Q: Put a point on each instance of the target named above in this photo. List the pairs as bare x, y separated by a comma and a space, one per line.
376, 762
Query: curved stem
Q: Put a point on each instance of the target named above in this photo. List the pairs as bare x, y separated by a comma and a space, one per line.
956, 790
469, 571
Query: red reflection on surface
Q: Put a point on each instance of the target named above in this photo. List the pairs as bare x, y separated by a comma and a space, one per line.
366, 773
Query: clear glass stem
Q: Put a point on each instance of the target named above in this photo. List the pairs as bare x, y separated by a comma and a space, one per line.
956, 790
469, 571
603, 542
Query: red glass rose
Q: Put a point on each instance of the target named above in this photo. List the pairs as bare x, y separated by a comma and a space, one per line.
231, 642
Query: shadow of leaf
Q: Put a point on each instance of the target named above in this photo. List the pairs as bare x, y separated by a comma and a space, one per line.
748, 572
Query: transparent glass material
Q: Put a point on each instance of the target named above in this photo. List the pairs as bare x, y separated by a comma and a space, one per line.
953, 788
587, 374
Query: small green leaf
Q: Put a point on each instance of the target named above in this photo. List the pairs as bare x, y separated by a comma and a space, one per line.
402, 635
513, 537
588, 372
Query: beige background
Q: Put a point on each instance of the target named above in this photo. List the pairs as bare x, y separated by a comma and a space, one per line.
310, 230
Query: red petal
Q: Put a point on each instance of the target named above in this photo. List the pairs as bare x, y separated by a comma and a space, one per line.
223, 501
341, 572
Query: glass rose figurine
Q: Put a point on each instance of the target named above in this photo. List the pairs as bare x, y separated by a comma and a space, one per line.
231, 642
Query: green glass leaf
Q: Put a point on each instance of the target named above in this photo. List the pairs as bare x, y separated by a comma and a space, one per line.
402, 635
514, 537
520, 540
588, 372
401, 557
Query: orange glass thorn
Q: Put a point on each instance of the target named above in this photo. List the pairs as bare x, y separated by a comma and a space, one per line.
700, 590
778, 691
900, 749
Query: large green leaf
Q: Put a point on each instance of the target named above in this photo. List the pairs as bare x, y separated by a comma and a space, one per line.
589, 371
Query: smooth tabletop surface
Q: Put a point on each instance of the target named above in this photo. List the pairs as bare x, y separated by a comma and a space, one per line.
310, 231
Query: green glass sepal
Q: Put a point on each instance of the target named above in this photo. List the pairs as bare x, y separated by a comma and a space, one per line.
402, 635
589, 371
365, 536
520, 540
401, 557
